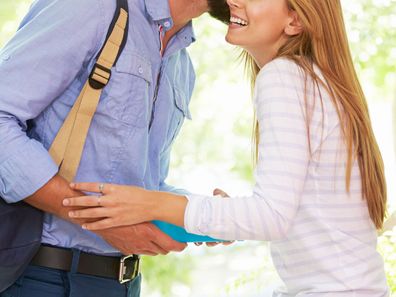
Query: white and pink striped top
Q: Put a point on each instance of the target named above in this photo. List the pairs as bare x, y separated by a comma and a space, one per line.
323, 242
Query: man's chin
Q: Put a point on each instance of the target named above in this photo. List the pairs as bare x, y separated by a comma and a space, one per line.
219, 10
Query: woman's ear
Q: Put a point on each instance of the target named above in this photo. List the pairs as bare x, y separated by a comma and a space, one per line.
294, 26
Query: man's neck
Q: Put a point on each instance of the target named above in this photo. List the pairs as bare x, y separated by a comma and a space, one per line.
169, 34
182, 12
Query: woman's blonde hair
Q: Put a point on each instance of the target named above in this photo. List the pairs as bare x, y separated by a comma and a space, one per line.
323, 42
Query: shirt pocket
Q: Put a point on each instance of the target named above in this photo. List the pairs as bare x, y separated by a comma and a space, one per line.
180, 112
128, 91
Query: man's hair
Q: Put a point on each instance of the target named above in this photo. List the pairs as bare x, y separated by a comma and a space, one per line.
219, 9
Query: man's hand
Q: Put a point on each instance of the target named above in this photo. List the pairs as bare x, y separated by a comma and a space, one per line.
142, 239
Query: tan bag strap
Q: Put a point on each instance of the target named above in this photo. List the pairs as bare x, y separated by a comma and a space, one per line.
67, 148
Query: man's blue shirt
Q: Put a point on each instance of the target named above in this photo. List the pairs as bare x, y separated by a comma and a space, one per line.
43, 69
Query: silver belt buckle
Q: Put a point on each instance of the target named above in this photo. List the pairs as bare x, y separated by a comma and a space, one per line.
129, 268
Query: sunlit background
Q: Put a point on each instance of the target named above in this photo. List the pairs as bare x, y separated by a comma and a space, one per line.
214, 149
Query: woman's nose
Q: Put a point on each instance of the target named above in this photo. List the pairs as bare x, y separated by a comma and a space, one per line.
233, 3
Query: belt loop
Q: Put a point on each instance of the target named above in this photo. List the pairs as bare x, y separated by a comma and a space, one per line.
75, 261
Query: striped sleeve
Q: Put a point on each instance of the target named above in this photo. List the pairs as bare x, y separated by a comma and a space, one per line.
281, 170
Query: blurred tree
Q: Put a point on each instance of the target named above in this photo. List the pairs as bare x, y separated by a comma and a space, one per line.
372, 32
10, 14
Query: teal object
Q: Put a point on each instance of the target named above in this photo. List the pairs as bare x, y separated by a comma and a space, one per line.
181, 235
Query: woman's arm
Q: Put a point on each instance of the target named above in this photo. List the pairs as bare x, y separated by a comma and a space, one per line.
118, 205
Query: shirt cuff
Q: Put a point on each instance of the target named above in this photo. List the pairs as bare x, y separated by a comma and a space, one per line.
170, 189
26, 171
196, 218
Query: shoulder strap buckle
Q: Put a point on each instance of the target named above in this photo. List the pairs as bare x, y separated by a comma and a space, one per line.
99, 77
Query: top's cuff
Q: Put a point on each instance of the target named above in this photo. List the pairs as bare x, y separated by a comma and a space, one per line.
26, 171
194, 215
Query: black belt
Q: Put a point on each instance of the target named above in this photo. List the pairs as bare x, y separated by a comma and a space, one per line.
124, 269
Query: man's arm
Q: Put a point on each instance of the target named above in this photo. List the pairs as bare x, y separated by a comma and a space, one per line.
49, 197
144, 238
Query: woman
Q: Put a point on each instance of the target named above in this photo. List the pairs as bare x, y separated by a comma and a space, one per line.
320, 190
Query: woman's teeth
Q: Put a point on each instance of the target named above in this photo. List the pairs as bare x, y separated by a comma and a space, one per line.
238, 21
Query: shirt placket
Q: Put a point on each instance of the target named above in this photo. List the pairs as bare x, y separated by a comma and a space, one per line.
161, 32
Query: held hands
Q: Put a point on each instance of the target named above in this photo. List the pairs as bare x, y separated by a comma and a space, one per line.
113, 206
142, 239
119, 206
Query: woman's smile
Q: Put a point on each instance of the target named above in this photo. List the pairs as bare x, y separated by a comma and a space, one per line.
237, 22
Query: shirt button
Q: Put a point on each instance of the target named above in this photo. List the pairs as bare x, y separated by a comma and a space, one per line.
167, 24
140, 70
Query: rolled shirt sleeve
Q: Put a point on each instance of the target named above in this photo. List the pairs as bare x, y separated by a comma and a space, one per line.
36, 66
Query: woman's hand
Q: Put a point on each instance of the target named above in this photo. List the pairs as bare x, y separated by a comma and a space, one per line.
114, 206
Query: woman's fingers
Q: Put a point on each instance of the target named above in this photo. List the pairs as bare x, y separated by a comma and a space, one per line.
88, 213
89, 201
101, 224
226, 243
92, 187
112, 222
217, 192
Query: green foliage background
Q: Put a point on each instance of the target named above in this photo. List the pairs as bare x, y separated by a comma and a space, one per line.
217, 142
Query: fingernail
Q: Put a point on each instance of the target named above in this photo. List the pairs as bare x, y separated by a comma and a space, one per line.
71, 214
72, 185
66, 202
85, 227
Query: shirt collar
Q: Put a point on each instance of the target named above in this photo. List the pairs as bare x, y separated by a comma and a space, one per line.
187, 33
159, 12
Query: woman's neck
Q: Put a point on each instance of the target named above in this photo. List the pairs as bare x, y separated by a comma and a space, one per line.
264, 55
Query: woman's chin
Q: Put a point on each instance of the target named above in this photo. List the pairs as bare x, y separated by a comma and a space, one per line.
231, 40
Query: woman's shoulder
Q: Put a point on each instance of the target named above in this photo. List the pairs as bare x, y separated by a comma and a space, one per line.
282, 75
286, 74
279, 68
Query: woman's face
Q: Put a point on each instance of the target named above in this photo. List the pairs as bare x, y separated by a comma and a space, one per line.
258, 25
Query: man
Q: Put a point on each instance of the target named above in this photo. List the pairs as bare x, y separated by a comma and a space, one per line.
43, 69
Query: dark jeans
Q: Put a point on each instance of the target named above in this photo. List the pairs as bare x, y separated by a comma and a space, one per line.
45, 282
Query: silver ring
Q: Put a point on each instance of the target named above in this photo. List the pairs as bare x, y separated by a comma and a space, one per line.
99, 204
101, 188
